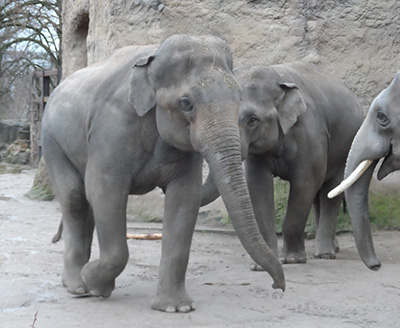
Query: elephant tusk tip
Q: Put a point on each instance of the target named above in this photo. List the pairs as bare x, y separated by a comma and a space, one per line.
334, 193
279, 285
351, 179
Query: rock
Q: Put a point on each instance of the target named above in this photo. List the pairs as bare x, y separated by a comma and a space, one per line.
17, 153
11, 130
14, 142
41, 188
10, 168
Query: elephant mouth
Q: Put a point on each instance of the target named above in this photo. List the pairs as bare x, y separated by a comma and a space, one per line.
391, 163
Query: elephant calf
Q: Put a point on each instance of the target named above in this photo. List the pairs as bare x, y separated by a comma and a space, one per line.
147, 117
297, 123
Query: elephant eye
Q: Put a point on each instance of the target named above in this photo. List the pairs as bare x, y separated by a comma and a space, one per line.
253, 121
186, 104
382, 119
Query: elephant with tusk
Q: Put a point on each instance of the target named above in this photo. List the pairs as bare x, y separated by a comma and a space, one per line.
378, 138
146, 118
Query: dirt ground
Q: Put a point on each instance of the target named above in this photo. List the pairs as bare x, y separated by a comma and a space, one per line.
321, 293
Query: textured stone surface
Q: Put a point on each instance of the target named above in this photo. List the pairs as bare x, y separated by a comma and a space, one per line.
355, 40
14, 142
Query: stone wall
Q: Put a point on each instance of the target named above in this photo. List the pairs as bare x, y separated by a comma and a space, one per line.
356, 40
14, 142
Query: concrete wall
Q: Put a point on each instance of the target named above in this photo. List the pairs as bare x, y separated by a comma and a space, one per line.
356, 40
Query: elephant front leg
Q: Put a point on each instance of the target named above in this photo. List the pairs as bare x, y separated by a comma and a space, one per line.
261, 188
182, 202
300, 201
108, 197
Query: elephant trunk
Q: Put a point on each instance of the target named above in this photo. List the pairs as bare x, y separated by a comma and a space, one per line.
209, 191
357, 199
223, 155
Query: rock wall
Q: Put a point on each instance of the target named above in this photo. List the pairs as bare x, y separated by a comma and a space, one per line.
14, 142
356, 40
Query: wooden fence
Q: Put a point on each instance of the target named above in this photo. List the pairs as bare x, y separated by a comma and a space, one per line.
47, 79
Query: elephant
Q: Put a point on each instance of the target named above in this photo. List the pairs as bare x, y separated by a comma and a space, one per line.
296, 123
147, 117
378, 138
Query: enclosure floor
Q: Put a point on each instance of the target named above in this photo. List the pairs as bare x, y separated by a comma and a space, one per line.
322, 293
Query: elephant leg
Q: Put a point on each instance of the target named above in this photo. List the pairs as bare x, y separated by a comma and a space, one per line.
108, 195
317, 210
301, 197
78, 227
77, 218
182, 202
261, 188
326, 245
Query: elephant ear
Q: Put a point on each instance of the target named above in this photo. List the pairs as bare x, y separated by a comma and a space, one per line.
141, 92
291, 106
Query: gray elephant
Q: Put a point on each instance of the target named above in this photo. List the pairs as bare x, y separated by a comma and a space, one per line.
147, 117
298, 124
377, 138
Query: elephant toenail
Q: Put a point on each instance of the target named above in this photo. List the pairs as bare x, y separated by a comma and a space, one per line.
184, 309
170, 309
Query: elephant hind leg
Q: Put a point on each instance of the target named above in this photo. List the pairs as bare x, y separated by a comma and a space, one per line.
326, 245
77, 218
78, 225
317, 210
299, 207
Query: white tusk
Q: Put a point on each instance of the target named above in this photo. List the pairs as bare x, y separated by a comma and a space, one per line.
353, 177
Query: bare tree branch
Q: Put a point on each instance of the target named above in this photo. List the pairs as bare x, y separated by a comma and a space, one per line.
30, 37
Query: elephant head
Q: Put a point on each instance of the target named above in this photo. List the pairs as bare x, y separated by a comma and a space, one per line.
269, 108
377, 138
190, 83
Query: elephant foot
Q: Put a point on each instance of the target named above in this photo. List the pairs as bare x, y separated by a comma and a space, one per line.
176, 302
325, 256
336, 245
288, 257
255, 267
326, 250
74, 283
97, 284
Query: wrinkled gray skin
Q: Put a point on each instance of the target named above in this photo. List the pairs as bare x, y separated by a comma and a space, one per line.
146, 118
298, 124
378, 137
